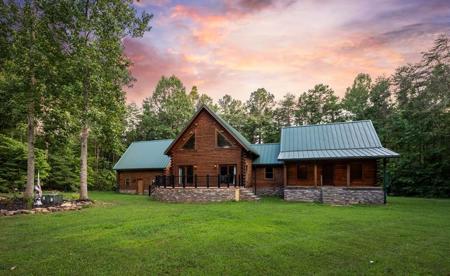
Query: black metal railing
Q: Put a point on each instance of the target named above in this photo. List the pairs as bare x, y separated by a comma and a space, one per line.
196, 181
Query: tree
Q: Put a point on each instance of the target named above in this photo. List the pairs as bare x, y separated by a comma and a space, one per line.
28, 70
285, 112
202, 99
92, 33
13, 164
380, 105
233, 111
259, 126
131, 122
419, 128
356, 99
318, 105
167, 111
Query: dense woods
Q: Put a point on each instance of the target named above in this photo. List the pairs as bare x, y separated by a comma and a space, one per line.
64, 112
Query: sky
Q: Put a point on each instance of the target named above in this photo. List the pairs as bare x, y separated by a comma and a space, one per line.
235, 47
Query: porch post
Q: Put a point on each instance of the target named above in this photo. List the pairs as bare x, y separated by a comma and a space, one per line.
285, 174
348, 175
315, 173
384, 180
254, 184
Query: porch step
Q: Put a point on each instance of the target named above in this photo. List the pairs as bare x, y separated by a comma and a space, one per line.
248, 194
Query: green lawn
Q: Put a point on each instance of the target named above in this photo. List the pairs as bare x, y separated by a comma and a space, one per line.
127, 234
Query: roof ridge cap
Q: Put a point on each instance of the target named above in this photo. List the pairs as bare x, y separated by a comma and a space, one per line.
334, 149
156, 140
325, 124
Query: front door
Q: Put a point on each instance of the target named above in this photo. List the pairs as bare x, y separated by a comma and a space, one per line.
327, 174
227, 174
140, 186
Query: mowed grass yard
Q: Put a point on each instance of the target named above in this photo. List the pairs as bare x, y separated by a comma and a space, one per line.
127, 234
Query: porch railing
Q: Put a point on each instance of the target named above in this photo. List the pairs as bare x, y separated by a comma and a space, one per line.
197, 181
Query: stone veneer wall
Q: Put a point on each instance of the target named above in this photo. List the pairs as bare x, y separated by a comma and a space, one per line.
304, 194
194, 194
269, 191
133, 191
353, 195
335, 195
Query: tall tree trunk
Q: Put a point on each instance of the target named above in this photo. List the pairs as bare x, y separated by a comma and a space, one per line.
28, 194
30, 159
84, 163
84, 141
85, 125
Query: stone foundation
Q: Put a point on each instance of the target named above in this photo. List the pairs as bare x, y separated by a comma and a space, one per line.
335, 195
269, 191
352, 195
124, 191
194, 194
303, 194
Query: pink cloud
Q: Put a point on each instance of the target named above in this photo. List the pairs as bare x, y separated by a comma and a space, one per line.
284, 46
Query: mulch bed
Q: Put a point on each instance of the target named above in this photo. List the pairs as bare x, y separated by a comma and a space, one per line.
17, 206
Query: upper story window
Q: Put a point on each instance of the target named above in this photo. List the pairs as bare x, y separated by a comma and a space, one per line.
222, 142
356, 171
190, 143
302, 171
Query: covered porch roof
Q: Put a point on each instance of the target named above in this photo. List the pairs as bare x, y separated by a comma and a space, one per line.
344, 140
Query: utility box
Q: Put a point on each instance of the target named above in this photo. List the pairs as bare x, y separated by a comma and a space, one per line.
52, 199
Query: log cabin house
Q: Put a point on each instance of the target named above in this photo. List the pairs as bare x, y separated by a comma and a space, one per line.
210, 160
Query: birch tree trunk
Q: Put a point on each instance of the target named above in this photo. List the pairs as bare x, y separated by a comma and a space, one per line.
84, 163
30, 159
84, 141
28, 194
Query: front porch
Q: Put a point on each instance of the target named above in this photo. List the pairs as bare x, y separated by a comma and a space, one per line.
194, 188
345, 181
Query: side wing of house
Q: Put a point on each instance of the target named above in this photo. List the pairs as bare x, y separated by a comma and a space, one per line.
268, 178
339, 154
335, 163
140, 164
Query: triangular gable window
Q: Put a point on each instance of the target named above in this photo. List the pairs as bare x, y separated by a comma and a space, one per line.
222, 142
190, 143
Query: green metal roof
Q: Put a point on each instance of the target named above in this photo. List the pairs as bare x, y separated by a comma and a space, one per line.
268, 154
356, 139
236, 134
145, 155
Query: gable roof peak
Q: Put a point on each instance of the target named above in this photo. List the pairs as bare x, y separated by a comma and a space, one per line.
236, 134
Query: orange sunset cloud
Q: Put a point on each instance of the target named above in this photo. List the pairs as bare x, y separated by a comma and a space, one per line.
236, 47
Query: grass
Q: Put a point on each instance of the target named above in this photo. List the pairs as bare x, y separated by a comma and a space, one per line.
127, 234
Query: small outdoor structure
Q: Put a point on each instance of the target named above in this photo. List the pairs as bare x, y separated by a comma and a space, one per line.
209, 160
